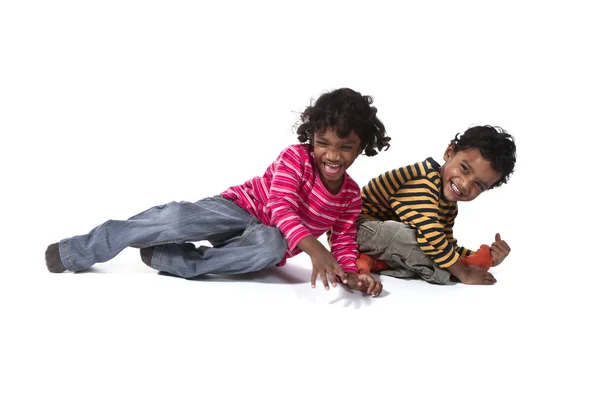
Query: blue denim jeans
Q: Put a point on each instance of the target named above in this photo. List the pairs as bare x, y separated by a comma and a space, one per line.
240, 242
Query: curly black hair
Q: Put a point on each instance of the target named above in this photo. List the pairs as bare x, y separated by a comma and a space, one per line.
346, 111
495, 145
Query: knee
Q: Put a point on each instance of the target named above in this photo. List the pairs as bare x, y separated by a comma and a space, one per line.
388, 237
395, 231
273, 243
394, 226
365, 233
174, 213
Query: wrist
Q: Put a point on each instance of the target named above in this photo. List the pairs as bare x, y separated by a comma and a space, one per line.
311, 246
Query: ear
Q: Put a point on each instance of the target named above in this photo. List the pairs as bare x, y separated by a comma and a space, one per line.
449, 153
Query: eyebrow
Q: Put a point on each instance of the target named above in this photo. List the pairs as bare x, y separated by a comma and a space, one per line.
320, 136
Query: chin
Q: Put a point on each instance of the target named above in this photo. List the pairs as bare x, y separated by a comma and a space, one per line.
450, 196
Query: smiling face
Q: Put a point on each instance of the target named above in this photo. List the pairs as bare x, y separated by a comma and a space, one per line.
466, 174
334, 156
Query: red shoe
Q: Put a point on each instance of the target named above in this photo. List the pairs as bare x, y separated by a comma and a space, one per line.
367, 264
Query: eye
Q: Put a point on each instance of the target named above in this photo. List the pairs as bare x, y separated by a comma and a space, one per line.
480, 186
464, 168
347, 148
321, 143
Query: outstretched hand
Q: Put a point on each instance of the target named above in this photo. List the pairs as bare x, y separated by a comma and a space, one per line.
323, 262
364, 283
499, 250
325, 266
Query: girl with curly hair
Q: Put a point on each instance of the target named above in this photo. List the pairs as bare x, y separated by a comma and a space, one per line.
259, 224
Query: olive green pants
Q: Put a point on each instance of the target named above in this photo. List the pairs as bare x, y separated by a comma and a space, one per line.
396, 243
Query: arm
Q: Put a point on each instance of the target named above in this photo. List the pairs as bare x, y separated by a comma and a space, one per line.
345, 249
282, 203
324, 264
422, 215
418, 208
343, 236
282, 206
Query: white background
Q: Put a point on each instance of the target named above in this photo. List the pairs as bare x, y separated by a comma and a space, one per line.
110, 107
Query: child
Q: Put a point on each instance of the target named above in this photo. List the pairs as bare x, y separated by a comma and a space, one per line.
303, 193
405, 226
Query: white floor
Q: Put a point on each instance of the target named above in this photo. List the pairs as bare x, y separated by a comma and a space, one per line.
107, 109
124, 331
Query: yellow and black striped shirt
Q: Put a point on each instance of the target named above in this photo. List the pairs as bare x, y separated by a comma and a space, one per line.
412, 195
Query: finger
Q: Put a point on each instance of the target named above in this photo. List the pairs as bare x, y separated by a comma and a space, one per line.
498, 252
313, 278
323, 275
339, 271
498, 237
495, 253
501, 245
378, 289
332, 278
372, 283
498, 256
496, 246
366, 284
351, 281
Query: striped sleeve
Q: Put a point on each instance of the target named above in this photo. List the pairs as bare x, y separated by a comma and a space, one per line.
448, 231
343, 236
283, 198
416, 204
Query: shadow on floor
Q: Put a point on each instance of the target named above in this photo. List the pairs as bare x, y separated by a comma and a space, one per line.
287, 275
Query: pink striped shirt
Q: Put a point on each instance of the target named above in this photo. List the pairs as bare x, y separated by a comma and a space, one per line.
291, 197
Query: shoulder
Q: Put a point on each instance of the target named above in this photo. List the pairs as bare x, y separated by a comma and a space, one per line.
300, 151
426, 169
294, 160
430, 166
297, 156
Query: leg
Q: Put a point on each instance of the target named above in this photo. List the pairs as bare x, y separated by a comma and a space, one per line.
175, 222
256, 248
396, 243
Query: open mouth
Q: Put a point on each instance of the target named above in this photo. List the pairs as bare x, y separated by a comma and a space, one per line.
455, 189
332, 169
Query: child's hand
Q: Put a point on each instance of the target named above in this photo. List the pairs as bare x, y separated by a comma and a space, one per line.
477, 276
325, 266
364, 283
499, 250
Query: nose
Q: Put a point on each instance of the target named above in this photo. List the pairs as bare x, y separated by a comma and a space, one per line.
468, 183
333, 155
